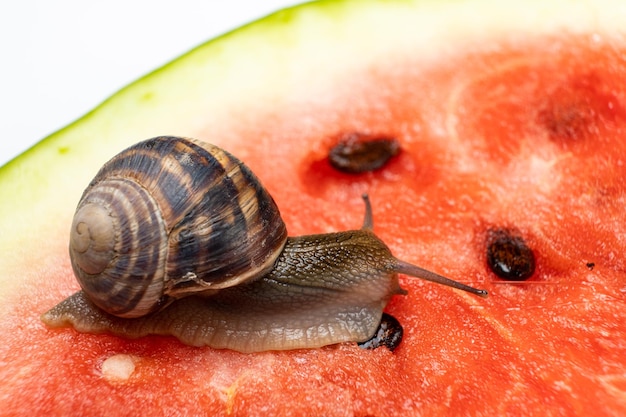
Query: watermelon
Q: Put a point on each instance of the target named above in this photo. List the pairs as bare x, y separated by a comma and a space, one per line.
511, 121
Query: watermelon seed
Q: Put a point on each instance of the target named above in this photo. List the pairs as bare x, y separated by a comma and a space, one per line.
565, 124
579, 109
590, 265
357, 153
389, 334
508, 255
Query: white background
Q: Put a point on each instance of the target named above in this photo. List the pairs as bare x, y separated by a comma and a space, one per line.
61, 58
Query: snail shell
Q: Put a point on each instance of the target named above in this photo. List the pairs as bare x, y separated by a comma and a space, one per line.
167, 217
176, 237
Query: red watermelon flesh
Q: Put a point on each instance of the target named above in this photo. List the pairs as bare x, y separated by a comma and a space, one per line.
525, 134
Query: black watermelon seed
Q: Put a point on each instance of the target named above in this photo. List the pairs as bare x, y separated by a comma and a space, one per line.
508, 255
591, 265
389, 334
357, 153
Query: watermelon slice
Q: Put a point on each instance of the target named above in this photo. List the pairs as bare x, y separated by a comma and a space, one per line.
511, 120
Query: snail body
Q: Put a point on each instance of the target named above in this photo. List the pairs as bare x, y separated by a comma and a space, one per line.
249, 289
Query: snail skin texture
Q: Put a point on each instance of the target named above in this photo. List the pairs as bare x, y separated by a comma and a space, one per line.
177, 237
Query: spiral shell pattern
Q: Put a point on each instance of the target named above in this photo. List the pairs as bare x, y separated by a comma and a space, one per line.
169, 217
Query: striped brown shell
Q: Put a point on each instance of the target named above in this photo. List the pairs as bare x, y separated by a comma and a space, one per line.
169, 217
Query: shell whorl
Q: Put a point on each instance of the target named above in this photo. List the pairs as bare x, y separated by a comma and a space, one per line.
167, 217
118, 247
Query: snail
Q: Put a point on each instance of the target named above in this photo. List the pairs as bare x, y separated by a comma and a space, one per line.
178, 237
